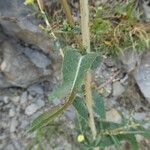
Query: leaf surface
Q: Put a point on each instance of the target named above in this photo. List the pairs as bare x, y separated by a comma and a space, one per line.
99, 107
74, 69
80, 107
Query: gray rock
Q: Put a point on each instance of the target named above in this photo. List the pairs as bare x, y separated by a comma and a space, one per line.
56, 102
13, 125
70, 113
38, 58
18, 69
18, 23
139, 116
3, 136
9, 147
12, 112
15, 99
31, 109
24, 124
35, 89
129, 59
3, 82
118, 89
113, 115
146, 9
6, 99
142, 75
146, 126
24, 98
110, 103
17, 145
40, 103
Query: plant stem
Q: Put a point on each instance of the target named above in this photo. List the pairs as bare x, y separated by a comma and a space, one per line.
67, 11
41, 7
70, 19
86, 43
89, 103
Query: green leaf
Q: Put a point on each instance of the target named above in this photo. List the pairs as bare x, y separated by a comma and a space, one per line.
106, 141
96, 62
74, 69
44, 118
144, 132
99, 107
107, 125
116, 142
133, 142
80, 107
111, 138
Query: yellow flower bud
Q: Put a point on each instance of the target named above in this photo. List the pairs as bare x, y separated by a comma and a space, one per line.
80, 138
29, 2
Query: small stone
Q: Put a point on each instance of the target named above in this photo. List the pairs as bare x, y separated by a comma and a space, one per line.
38, 58
110, 103
15, 99
113, 115
3, 136
24, 124
12, 112
24, 98
13, 125
118, 89
56, 101
139, 138
139, 116
30, 97
6, 99
146, 126
31, 109
17, 144
142, 75
146, 9
69, 113
129, 59
9, 147
40, 103
35, 89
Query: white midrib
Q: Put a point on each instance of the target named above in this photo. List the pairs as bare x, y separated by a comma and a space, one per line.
76, 75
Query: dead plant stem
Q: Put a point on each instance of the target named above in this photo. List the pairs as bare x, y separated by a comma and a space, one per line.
86, 43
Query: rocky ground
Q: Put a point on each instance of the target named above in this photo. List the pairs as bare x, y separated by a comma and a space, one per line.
29, 70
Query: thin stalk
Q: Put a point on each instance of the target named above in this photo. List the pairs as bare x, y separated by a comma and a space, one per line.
41, 7
70, 19
86, 43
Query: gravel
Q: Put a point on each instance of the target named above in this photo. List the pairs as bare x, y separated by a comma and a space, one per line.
31, 109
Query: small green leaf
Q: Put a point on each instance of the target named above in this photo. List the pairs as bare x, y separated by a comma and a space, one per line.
80, 107
116, 142
44, 118
106, 141
96, 62
107, 125
99, 107
133, 142
74, 69
144, 132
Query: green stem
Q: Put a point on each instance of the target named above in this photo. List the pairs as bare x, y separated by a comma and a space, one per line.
41, 7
